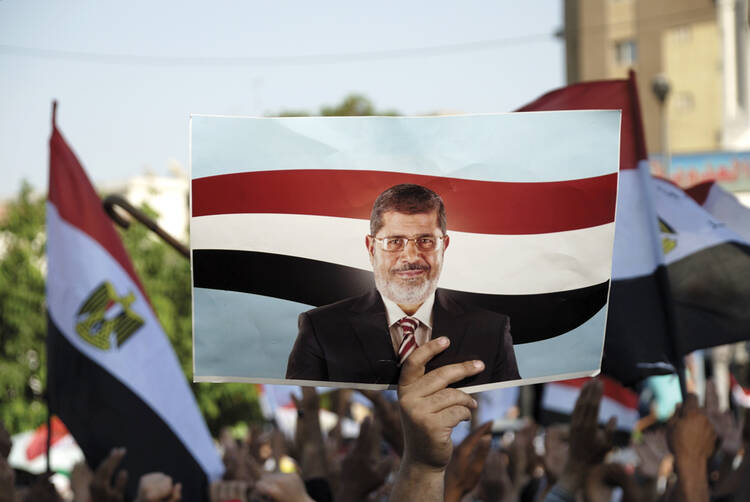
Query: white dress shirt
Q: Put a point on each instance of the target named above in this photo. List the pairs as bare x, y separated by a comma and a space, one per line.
394, 314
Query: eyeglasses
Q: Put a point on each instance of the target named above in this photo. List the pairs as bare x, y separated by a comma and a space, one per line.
425, 243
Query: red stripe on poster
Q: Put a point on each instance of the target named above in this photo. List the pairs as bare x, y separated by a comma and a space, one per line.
472, 206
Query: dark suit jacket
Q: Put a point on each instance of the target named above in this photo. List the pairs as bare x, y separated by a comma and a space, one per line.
349, 341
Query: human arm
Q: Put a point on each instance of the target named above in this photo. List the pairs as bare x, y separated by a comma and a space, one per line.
429, 411
588, 445
467, 462
386, 413
309, 436
363, 470
102, 487
306, 361
692, 440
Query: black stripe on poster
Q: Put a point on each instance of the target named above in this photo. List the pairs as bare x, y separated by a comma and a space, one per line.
317, 283
102, 413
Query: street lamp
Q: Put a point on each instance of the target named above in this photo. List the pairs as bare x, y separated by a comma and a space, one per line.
661, 87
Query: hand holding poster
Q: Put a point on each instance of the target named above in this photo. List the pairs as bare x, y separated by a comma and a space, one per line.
313, 238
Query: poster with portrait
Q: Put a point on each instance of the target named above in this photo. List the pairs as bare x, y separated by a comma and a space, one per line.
325, 250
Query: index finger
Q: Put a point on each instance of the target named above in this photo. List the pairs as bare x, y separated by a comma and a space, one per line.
414, 367
109, 464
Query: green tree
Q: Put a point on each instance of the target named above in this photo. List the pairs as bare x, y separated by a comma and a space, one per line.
22, 315
351, 106
165, 275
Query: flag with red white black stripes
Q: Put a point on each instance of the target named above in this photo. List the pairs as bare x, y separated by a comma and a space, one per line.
281, 207
113, 378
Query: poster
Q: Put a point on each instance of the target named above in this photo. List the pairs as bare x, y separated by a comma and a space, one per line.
294, 284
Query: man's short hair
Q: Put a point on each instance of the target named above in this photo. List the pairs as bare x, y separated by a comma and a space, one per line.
407, 198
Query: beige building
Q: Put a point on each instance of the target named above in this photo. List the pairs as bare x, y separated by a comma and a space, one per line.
702, 47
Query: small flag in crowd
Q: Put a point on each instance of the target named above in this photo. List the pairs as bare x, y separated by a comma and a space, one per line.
740, 394
559, 398
113, 378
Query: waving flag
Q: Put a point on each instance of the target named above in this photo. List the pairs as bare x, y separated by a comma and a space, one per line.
709, 265
280, 209
112, 377
677, 272
638, 340
723, 206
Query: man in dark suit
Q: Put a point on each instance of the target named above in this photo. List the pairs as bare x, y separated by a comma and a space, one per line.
366, 339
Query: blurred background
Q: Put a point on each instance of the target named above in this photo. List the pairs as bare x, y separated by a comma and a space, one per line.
128, 75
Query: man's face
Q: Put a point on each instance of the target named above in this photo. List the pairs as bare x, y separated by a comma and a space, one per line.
409, 276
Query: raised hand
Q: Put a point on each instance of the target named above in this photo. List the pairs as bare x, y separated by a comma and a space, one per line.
386, 412
467, 462
158, 487
429, 411
588, 445
282, 488
80, 482
228, 491
309, 436
692, 439
495, 484
102, 487
363, 470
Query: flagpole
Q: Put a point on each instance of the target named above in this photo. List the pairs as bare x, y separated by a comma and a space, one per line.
46, 393
662, 278
111, 201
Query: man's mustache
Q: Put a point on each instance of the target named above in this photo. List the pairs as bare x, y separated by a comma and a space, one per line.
410, 266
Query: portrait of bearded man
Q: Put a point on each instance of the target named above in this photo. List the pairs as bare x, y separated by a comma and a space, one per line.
366, 339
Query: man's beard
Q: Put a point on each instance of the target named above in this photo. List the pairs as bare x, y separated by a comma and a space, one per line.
409, 293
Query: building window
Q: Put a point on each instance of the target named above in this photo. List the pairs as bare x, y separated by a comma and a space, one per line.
683, 34
684, 101
625, 52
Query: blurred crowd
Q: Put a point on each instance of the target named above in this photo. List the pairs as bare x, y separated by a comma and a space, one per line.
404, 452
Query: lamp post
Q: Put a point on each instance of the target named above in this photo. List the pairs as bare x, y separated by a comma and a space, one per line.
661, 87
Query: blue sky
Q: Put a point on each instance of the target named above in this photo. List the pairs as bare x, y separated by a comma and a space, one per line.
128, 74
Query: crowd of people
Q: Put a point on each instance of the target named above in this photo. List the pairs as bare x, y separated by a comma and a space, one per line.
404, 452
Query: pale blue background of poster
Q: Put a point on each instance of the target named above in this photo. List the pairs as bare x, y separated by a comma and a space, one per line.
583, 145
249, 336
234, 339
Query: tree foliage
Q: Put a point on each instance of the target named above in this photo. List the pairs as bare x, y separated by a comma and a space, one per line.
22, 315
351, 106
166, 277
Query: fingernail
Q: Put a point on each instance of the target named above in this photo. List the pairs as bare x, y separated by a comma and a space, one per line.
478, 364
474, 401
443, 341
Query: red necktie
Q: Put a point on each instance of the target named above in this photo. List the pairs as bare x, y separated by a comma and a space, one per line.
409, 342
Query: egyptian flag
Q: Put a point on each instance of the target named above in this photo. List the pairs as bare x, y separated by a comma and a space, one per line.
281, 208
723, 206
709, 267
639, 322
559, 399
113, 378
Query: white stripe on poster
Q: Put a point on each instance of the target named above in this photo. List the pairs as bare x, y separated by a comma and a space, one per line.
81, 265
480, 263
